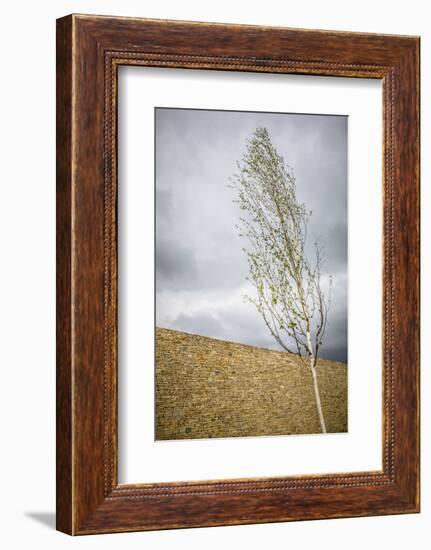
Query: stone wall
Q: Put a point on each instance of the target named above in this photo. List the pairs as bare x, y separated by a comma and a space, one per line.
213, 388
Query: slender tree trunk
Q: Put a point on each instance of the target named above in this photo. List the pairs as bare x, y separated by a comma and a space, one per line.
317, 395
315, 384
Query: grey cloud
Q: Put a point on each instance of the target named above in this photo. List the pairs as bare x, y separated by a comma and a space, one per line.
175, 265
247, 329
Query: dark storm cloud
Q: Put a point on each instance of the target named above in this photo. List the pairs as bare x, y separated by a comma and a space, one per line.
176, 265
200, 267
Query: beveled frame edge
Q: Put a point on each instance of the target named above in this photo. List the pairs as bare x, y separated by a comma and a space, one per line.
89, 51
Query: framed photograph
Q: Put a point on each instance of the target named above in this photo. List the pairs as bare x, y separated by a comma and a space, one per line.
237, 274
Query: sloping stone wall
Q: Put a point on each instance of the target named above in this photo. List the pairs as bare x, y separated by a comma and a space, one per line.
213, 388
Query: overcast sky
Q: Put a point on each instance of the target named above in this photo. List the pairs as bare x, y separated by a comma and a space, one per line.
200, 266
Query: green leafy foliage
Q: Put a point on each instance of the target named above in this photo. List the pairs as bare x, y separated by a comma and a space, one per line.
274, 223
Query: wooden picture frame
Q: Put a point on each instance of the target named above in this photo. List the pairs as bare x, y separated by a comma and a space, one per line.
89, 51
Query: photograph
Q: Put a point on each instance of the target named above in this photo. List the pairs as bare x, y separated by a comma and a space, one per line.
251, 276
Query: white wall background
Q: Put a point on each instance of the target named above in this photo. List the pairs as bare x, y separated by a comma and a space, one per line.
27, 279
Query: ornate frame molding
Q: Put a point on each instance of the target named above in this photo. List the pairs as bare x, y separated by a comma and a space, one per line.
90, 49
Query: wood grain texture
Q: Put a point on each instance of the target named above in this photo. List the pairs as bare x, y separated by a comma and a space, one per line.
90, 49
64, 496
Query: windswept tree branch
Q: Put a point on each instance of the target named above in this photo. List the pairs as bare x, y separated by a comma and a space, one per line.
290, 297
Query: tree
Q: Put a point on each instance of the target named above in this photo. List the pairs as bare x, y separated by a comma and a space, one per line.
289, 294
